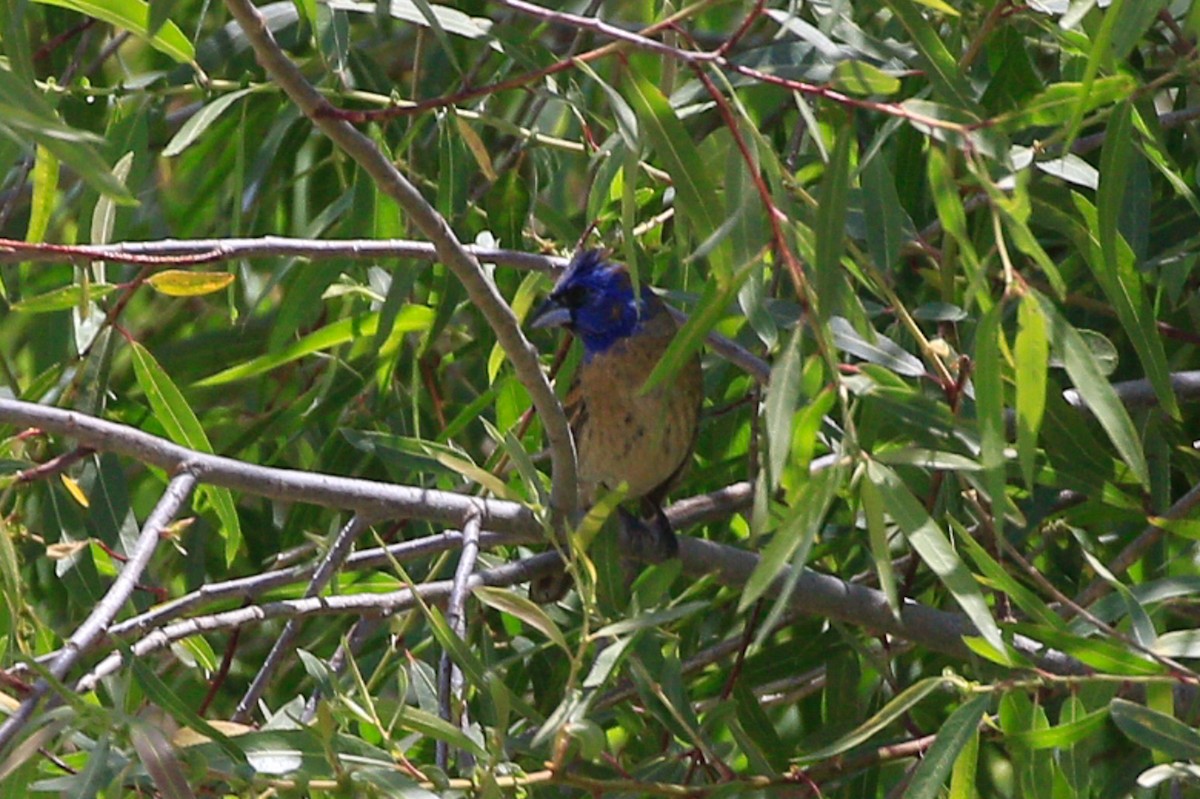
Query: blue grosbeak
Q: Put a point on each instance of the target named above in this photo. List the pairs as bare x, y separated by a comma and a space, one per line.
623, 435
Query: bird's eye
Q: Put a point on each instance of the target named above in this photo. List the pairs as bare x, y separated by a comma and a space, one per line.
573, 296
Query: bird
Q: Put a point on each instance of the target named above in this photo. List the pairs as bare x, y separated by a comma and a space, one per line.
623, 435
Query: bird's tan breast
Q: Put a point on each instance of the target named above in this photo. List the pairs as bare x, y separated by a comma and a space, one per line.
621, 435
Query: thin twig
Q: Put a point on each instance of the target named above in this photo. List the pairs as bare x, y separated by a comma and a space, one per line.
332, 561
450, 678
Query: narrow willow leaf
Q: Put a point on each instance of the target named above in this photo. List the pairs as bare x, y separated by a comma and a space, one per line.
691, 336
1113, 261
955, 733
695, 192
201, 121
889, 227
44, 181
411, 319
872, 505
931, 544
795, 533
183, 283
134, 16
989, 408
1055, 105
427, 724
953, 216
1105, 656
829, 228
858, 77
1096, 391
183, 427
783, 394
63, 299
505, 601
28, 117
1155, 730
1032, 357
1063, 735
963, 777
449, 19
948, 80
881, 349
651, 619
73, 488
999, 579
893, 710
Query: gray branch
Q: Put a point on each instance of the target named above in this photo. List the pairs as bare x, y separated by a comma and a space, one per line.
176, 494
450, 678
332, 561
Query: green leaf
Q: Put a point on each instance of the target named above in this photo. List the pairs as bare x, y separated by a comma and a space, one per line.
1062, 735
989, 407
931, 544
692, 335
417, 720
505, 601
655, 618
1105, 656
64, 299
44, 181
201, 121
795, 534
955, 733
1032, 359
411, 319
183, 427
1056, 104
1156, 731
998, 578
1096, 391
829, 229
25, 116
872, 505
889, 228
1113, 262
893, 710
783, 395
695, 192
880, 349
134, 16
859, 77
948, 80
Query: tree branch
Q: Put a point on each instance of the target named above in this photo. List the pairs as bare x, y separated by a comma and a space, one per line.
482, 292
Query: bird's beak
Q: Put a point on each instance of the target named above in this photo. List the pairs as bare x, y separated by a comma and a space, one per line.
551, 313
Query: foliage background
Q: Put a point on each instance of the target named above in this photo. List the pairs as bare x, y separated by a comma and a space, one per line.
930, 217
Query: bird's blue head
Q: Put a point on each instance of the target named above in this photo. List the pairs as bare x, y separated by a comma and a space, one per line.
594, 299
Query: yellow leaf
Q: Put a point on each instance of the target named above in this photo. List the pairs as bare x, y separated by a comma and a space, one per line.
75, 491
182, 283
65, 549
475, 145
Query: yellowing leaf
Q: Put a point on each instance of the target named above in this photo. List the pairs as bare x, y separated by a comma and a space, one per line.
75, 491
477, 148
182, 283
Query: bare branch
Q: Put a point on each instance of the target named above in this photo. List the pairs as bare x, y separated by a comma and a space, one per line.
173, 498
374, 499
367, 604
283, 645
450, 678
